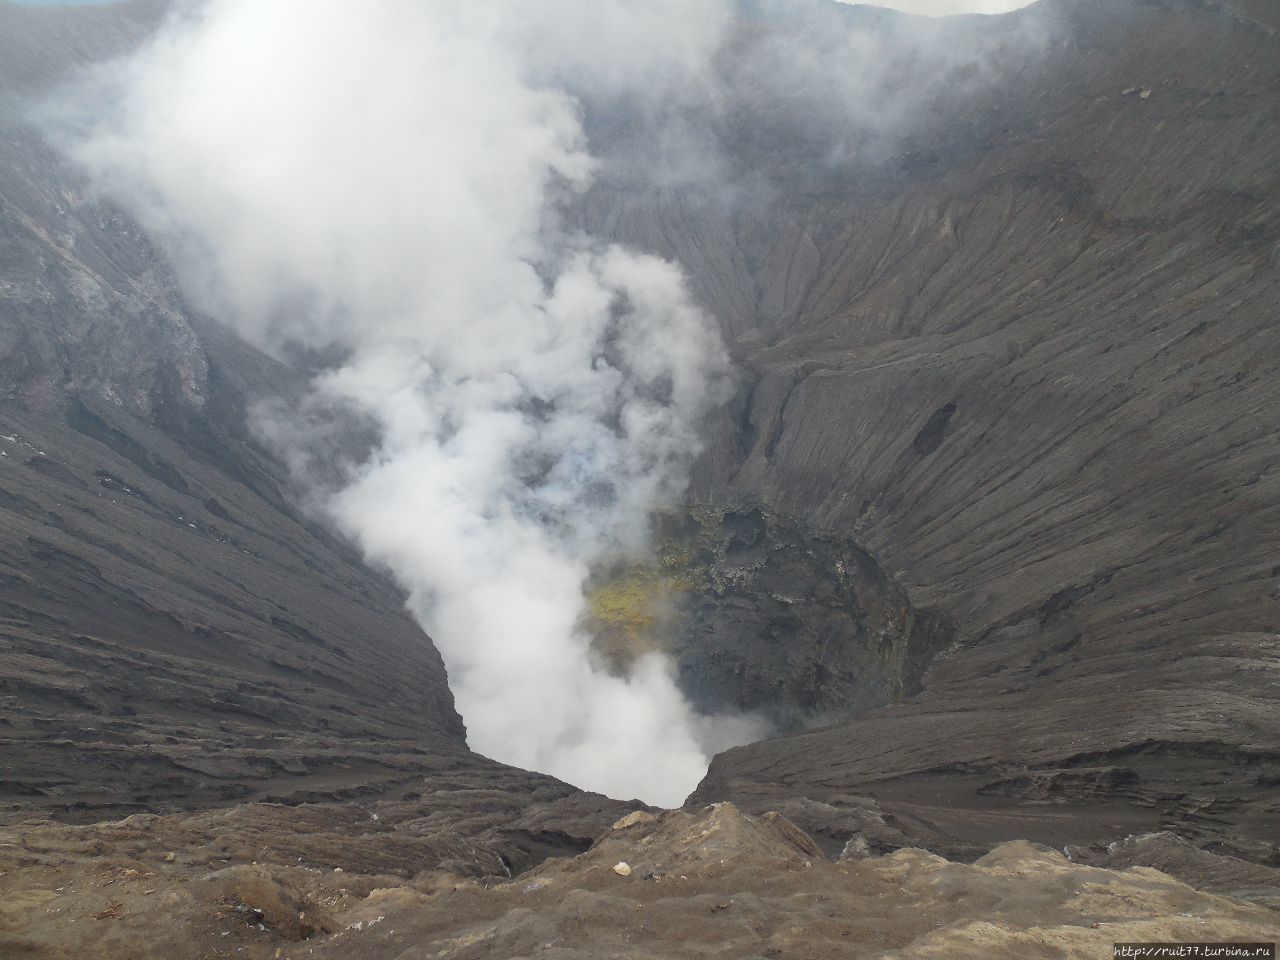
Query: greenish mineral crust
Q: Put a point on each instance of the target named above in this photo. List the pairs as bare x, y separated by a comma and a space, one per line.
632, 604
763, 615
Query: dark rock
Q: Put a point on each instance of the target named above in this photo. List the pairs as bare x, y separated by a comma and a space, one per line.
764, 615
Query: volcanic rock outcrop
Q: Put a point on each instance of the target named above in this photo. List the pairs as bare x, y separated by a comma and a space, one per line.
383, 881
766, 616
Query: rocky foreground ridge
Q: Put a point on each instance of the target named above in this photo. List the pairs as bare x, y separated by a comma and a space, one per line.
386, 882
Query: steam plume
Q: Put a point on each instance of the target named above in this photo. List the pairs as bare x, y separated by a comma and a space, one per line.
384, 177
382, 182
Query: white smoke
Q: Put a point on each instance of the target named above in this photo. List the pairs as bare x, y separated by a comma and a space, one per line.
384, 177
382, 182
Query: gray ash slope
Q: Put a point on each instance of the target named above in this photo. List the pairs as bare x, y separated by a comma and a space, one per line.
174, 631
1026, 361
1031, 367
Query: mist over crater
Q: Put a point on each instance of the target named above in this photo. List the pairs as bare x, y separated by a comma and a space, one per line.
400, 188
897, 389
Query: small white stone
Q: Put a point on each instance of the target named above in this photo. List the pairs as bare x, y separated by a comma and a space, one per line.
622, 869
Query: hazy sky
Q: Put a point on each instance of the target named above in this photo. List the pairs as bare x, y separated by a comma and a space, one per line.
929, 7
940, 8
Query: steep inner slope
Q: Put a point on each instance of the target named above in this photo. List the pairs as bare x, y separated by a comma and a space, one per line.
175, 631
1029, 365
